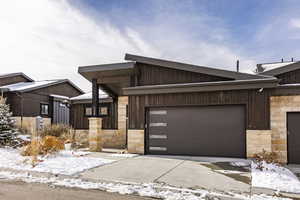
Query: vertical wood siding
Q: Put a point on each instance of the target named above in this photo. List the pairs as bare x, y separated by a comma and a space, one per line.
78, 120
290, 77
156, 75
257, 105
12, 80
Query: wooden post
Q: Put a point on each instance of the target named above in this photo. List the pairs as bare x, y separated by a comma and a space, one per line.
95, 99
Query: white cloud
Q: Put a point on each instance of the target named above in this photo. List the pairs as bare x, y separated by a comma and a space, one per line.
295, 23
49, 39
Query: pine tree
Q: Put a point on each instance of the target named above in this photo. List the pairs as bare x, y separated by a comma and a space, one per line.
7, 131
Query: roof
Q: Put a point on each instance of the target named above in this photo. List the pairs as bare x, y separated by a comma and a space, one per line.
88, 96
7, 75
273, 69
203, 86
29, 86
192, 68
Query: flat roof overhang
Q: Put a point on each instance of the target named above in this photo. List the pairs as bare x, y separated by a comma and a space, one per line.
203, 87
112, 78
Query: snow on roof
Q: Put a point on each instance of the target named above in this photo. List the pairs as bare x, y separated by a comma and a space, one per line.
269, 66
88, 95
28, 85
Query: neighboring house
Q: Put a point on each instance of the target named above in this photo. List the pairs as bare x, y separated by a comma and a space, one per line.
48, 99
182, 109
11, 78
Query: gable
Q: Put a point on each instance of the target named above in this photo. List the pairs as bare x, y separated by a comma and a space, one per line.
156, 75
12, 80
64, 89
289, 77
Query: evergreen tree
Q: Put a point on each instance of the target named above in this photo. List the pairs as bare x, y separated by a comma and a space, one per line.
7, 131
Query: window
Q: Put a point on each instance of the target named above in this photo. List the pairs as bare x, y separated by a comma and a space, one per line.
44, 109
103, 111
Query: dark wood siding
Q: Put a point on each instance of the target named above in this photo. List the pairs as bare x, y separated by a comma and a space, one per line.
78, 119
156, 75
289, 77
12, 80
31, 100
257, 105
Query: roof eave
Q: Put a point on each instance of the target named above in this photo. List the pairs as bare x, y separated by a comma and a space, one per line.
281, 70
202, 87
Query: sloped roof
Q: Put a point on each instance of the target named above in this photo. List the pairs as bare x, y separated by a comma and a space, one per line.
29, 86
88, 96
7, 75
279, 68
192, 68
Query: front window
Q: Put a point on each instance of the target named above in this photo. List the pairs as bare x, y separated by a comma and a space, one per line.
103, 111
44, 109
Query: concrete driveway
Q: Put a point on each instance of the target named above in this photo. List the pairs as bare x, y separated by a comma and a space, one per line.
213, 174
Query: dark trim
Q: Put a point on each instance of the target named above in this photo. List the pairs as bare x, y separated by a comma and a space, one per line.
106, 67
283, 69
192, 68
202, 87
17, 74
95, 98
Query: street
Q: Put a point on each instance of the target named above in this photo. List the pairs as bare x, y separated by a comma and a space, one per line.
10, 190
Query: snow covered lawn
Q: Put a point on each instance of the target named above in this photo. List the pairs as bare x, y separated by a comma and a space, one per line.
275, 177
64, 162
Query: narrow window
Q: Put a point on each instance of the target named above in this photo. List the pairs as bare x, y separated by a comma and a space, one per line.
44, 110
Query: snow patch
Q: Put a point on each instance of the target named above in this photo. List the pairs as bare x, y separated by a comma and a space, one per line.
274, 177
64, 162
125, 155
147, 190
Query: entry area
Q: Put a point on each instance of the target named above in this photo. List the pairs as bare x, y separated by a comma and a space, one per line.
293, 134
197, 131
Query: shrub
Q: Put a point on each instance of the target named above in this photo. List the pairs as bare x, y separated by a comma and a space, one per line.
61, 131
264, 156
44, 146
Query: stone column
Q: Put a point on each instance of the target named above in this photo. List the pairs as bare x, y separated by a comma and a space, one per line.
95, 129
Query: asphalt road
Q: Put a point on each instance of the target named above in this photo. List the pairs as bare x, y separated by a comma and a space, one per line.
24, 191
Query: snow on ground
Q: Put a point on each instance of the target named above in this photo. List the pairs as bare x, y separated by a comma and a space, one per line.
147, 190
275, 177
125, 155
64, 162
26, 138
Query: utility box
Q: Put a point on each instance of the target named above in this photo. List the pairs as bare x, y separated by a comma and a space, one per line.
39, 123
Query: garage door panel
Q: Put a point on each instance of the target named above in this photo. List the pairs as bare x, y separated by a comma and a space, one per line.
206, 131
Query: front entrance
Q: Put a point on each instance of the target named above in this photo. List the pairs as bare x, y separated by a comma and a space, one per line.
197, 131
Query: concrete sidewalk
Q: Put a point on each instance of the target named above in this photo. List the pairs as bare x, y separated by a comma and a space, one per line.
186, 172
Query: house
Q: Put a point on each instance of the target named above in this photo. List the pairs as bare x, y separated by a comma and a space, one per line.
28, 99
81, 111
181, 109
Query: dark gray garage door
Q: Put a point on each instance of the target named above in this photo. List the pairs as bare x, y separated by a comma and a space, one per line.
293, 124
199, 131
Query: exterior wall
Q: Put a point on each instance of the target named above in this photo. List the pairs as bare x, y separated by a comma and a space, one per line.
290, 77
256, 103
280, 105
110, 138
12, 80
136, 142
257, 141
29, 123
95, 139
157, 75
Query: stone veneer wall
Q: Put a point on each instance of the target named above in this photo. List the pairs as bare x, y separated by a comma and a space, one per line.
29, 123
136, 141
280, 105
257, 141
111, 138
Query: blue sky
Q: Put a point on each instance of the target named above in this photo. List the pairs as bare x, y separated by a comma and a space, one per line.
50, 38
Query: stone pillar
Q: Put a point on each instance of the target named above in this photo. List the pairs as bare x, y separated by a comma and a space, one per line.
95, 129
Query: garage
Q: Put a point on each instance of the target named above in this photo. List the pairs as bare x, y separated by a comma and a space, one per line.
197, 131
293, 126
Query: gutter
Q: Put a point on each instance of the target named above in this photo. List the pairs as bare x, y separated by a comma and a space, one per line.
203, 87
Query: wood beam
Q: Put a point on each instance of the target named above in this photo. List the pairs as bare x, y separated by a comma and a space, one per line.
95, 98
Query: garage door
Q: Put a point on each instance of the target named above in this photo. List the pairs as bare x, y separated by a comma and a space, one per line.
198, 131
293, 124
